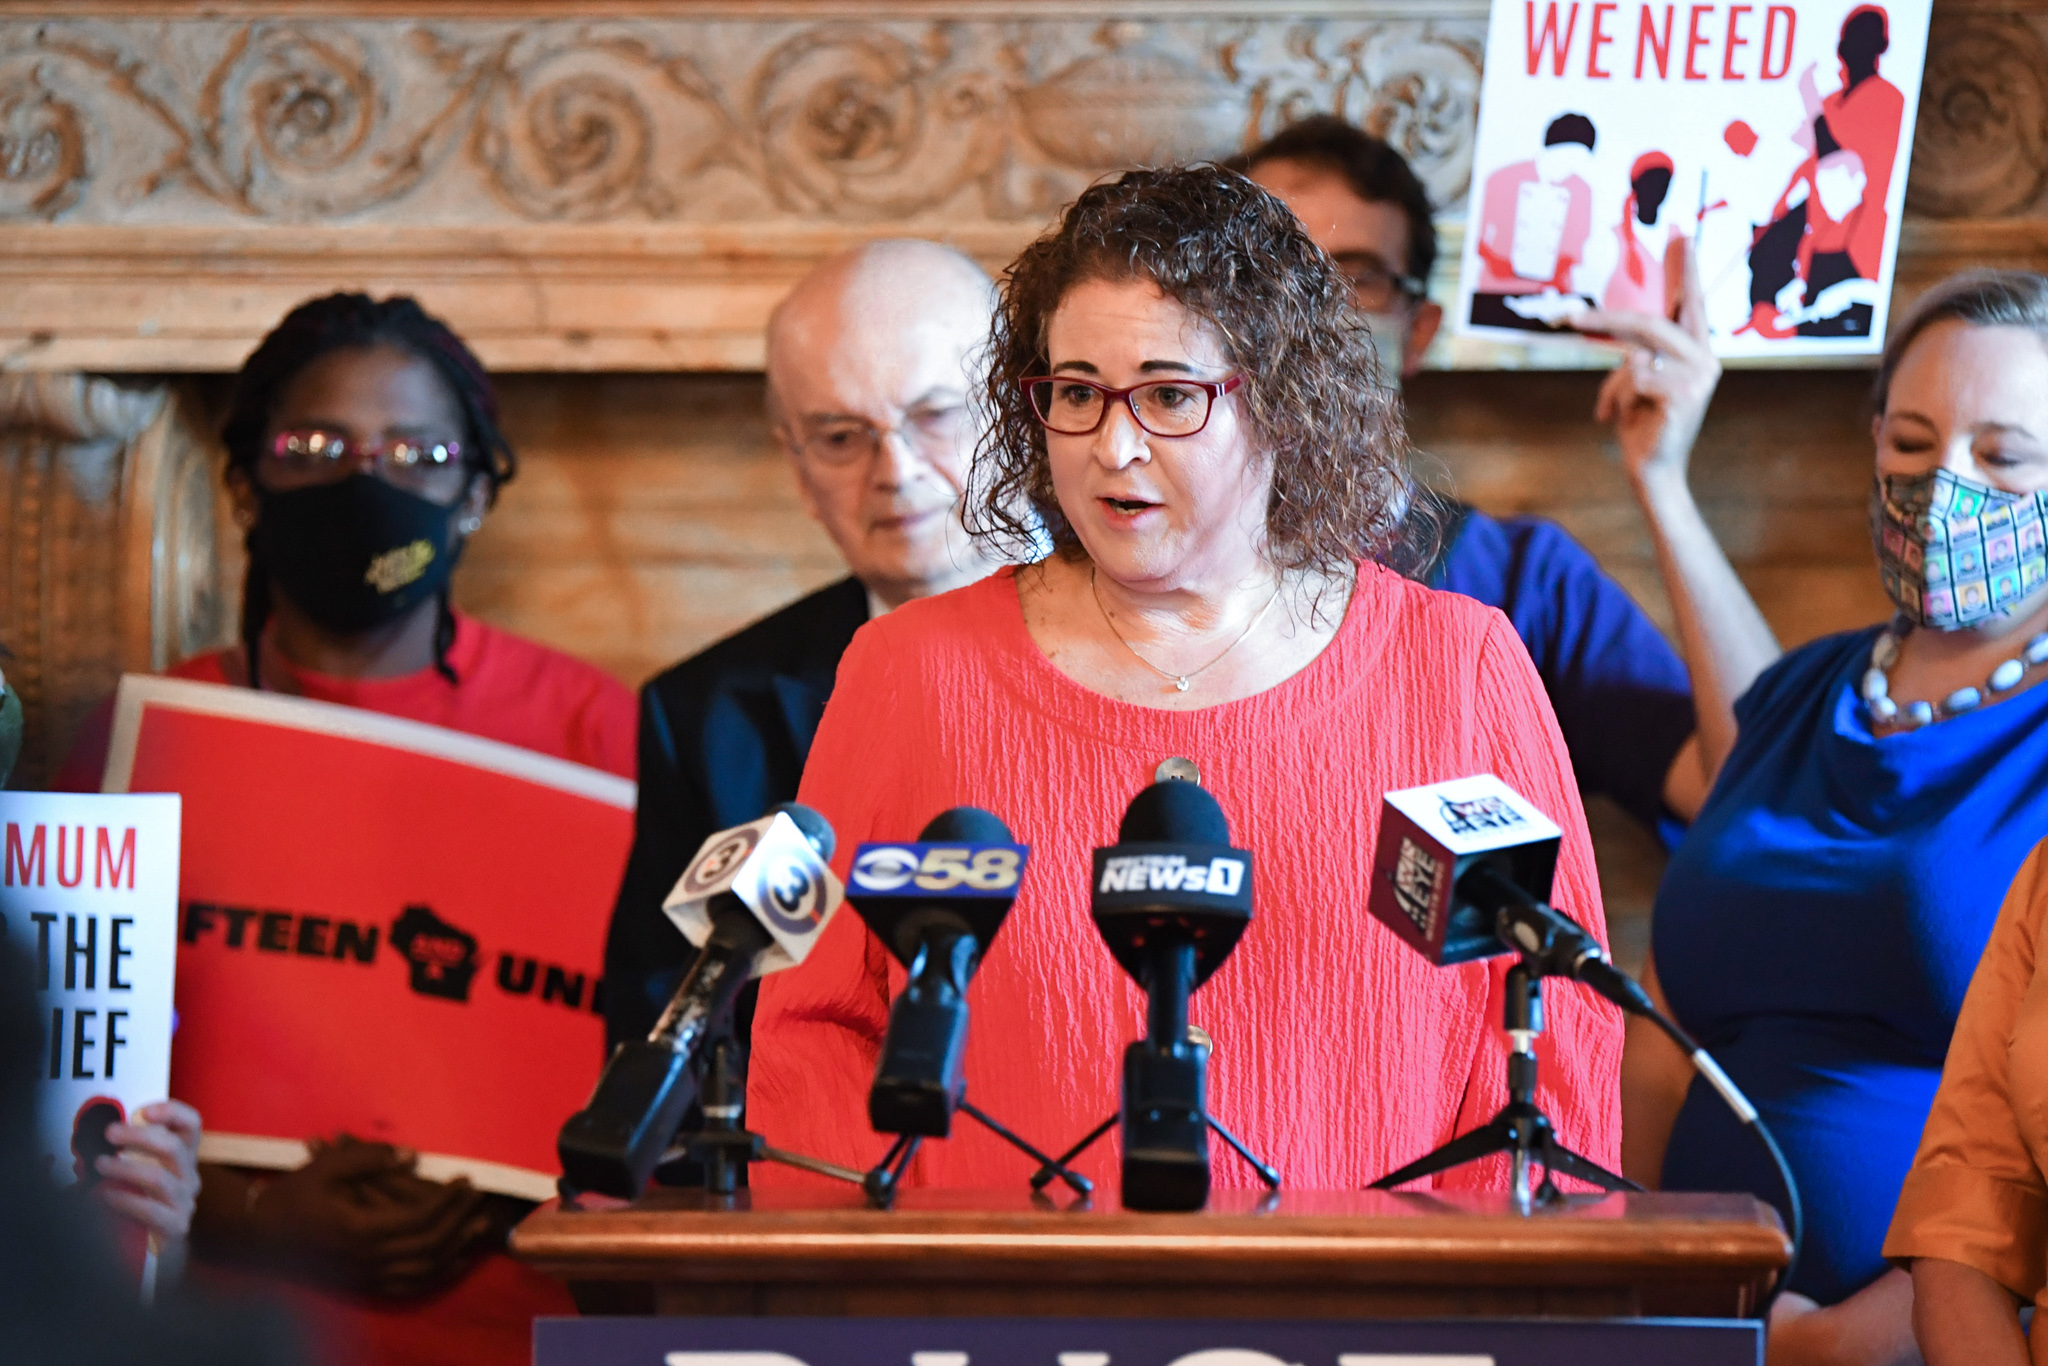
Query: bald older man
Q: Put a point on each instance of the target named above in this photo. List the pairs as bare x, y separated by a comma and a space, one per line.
870, 361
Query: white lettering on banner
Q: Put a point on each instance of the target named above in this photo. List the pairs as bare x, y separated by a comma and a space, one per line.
1171, 873
730, 1359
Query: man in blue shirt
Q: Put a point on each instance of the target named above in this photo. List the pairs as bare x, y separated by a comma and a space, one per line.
1621, 694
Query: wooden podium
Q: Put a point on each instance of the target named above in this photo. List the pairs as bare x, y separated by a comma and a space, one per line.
1298, 1254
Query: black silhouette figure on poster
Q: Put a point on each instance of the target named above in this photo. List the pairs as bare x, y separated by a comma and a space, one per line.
1814, 264
442, 956
1533, 231
89, 1142
1644, 236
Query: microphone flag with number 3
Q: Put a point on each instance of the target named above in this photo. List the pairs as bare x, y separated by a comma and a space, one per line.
388, 929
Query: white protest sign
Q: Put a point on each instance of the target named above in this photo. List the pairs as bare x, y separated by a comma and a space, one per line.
1772, 136
89, 892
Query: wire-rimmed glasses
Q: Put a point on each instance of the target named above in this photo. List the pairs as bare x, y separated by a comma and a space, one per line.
932, 432
1073, 406
1377, 287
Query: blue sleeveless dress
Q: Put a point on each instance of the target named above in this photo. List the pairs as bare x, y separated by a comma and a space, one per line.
1818, 926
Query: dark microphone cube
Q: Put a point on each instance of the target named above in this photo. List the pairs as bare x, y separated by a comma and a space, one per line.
1430, 836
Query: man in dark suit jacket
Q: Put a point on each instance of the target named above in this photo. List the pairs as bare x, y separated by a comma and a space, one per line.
870, 362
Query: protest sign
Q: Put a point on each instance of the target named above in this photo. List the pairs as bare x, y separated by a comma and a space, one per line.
1772, 136
89, 893
389, 929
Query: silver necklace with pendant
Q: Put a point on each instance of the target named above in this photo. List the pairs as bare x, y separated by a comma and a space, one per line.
1180, 681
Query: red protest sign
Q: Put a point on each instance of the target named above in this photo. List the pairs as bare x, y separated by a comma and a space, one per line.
387, 928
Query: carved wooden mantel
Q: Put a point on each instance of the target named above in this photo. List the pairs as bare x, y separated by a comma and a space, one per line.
626, 184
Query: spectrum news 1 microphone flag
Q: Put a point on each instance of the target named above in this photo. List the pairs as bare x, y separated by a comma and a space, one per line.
1771, 135
89, 895
408, 949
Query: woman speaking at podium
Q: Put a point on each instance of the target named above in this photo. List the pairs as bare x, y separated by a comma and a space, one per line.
1183, 399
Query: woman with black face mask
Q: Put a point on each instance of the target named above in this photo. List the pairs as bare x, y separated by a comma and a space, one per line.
363, 452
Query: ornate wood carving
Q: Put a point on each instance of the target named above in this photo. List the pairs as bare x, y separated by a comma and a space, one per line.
630, 183
112, 559
535, 174
1980, 149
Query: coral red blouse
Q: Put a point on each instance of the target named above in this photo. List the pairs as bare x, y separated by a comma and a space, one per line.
1340, 1052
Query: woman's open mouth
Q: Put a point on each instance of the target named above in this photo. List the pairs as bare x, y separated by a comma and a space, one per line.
1128, 507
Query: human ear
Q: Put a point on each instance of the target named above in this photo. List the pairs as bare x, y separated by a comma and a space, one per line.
242, 496
1429, 316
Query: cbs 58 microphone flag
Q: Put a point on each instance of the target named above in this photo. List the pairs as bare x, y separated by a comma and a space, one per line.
408, 949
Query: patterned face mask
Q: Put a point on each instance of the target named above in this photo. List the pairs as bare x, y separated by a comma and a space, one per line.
1953, 552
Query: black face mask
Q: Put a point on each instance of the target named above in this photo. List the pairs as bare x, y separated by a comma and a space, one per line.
356, 554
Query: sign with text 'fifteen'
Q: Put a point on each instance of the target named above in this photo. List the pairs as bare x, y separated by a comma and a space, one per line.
389, 929
1771, 134
89, 893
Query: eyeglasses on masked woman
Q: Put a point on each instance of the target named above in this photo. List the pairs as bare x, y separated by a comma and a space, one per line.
304, 456
1073, 406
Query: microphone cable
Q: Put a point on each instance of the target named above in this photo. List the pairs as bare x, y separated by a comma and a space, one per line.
1703, 1063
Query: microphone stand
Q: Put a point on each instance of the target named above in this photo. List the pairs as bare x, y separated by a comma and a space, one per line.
881, 1182
1053, 1167
1521, 1129
724, 1146
1168, 1046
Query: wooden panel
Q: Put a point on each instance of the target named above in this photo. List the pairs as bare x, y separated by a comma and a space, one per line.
1299, 1254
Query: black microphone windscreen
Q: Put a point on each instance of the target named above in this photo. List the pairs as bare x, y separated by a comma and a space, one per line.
1174, 812
816, 828
965, 825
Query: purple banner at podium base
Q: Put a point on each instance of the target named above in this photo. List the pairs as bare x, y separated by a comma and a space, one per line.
1142, 1342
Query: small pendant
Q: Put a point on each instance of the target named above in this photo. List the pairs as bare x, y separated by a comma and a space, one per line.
1180, 685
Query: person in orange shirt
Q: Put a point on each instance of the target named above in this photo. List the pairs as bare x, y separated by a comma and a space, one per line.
1972, 1220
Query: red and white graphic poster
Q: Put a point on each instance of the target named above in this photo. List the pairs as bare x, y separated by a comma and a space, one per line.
1772, 136
387, 929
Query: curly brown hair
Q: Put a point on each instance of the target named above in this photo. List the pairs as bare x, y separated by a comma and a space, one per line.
1235, 257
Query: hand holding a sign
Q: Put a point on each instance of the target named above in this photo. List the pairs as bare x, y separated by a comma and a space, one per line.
1656, 399
357, 1212
1658, 395
153, 1178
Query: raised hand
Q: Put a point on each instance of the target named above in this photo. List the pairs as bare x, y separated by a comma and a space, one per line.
1658, 395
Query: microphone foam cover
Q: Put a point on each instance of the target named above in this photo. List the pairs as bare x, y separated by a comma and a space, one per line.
1174, 812
816, 828
965, 825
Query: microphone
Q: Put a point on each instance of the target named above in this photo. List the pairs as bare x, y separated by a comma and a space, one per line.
1463, 871
753, 901
1171, 898
936, 904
